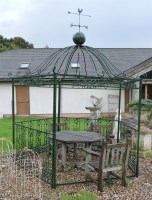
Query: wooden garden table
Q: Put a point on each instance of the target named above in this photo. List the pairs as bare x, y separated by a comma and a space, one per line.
73, 137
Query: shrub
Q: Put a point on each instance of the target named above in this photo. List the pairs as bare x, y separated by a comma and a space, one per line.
145, 104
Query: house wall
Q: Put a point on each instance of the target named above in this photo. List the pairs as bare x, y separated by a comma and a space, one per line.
75, 100
72, 100
137, 73
41, 100
135, 92
5, 98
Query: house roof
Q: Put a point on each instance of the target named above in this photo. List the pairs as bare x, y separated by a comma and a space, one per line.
10, 61
126, 59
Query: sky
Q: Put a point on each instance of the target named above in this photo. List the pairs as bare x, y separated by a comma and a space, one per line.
113, 23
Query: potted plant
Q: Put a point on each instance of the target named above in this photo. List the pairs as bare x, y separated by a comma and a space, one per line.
146, 109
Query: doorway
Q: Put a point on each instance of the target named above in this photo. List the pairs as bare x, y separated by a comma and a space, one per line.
22, 100
147, 91
126, 100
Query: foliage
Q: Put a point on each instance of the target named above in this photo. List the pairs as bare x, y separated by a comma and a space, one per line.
145, 104
21, 43
13, 43
83, 195
109, 182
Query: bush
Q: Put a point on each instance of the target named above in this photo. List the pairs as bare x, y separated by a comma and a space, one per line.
84, 195
145, 104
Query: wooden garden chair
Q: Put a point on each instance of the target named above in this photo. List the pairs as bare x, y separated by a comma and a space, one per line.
59, 126
105, 131
111, 158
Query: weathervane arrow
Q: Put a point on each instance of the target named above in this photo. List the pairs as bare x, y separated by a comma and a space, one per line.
80, 14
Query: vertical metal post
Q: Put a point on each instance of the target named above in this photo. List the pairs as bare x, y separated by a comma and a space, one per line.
146, 88
13, 114
59, 103
79, 20
139, 114
54, 133
119, 113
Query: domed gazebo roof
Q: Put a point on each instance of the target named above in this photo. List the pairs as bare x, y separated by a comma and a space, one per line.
77, 66
78, 60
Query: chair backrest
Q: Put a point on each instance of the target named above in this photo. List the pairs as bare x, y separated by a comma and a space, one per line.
104, 130
59, 127
114, 156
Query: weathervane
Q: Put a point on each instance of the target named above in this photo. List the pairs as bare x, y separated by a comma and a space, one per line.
79, 13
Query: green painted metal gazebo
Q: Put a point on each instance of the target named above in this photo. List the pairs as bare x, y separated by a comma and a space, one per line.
76, 66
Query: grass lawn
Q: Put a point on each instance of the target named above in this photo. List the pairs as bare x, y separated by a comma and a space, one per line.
83, 195
6, 128
6, 125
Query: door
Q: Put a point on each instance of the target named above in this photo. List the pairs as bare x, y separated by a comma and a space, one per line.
22, 100
126, 100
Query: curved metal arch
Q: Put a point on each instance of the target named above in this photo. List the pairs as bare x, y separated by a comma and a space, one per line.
92, 62
107, 65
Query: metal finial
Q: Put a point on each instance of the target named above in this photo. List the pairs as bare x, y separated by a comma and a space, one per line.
79, 13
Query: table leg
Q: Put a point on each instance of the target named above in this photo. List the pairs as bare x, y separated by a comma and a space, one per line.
63, 155
74, 150
87, 145
88, 158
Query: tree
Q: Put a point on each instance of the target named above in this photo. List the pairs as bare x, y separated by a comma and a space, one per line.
21, 43
14, 43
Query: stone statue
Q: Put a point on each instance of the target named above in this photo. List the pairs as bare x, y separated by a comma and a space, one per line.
115, 130
97, 104
95, 111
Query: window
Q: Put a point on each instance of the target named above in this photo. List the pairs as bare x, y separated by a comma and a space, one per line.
75, 65
24, 65
113, 102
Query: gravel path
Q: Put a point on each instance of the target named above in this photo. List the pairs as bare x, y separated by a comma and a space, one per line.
138, 188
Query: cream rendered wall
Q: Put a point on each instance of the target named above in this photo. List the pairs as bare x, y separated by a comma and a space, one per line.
6, 98
75, 100
72, 100
41, 100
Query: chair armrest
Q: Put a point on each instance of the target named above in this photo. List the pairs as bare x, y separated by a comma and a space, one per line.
91, 152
